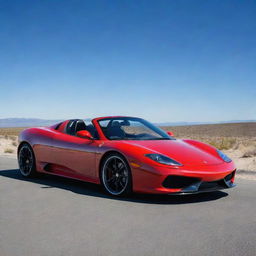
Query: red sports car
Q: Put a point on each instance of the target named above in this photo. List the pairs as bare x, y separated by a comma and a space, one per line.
124, 154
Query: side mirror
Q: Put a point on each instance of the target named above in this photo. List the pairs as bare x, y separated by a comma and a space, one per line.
84, 134
170, 133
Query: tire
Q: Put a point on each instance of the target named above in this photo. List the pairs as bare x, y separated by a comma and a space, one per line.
26, 161
116, 175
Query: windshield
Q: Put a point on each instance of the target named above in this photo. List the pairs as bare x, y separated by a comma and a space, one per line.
130, 128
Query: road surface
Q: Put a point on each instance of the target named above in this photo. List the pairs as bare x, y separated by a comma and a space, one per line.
56, 216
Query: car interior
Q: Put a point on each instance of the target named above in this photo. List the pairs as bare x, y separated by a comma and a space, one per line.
124, 129
76, 125
115, 130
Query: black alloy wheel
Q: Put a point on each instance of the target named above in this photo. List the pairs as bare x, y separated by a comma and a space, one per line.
116, 175
26, 160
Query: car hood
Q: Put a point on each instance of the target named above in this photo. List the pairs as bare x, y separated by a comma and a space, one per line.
179, 150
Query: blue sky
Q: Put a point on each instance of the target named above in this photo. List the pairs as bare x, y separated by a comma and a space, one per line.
160, 60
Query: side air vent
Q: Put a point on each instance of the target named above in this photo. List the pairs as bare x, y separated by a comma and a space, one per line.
48, 168
230, 176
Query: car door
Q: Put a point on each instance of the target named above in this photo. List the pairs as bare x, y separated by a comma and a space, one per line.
73, 156
42, 143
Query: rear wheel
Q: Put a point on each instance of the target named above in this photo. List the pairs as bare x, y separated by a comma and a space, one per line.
116, 175
26, 160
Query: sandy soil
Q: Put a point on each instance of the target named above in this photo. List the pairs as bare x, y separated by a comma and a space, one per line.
246, 166
8, 145
244, 156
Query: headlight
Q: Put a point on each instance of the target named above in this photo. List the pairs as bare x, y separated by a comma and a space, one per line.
163, 159
223, 156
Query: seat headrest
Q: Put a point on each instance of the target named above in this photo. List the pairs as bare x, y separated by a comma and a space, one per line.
80, 125
116, 124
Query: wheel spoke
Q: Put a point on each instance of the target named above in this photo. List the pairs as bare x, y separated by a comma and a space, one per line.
109, 171
111, 179
122, 182
22, 155
116, 185
120, 167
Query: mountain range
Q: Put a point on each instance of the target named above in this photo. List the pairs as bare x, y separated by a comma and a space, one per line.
30, 122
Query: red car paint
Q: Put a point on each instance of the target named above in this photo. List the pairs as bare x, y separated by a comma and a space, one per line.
80, 158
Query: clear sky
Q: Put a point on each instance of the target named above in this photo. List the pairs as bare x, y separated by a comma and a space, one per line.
160, 60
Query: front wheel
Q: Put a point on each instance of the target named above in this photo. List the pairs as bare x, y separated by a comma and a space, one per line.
26, 160
116, 175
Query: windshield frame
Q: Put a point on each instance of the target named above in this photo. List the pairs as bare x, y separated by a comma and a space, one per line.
163, 135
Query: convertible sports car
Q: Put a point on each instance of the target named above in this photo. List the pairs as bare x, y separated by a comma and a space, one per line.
124, 154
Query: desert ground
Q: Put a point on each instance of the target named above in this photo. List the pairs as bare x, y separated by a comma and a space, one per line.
237, 140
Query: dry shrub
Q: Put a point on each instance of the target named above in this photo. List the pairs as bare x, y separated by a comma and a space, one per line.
11, 131
13, 138
8, 150
14, 143
249, 152
223, 143
235, 130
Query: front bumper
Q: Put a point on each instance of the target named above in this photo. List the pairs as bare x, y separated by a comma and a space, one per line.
204, 186
154, 179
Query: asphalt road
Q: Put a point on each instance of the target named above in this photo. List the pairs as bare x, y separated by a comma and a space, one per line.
56, 216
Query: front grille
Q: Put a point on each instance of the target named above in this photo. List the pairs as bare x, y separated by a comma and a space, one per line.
213, 185
205, 185
175, 181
